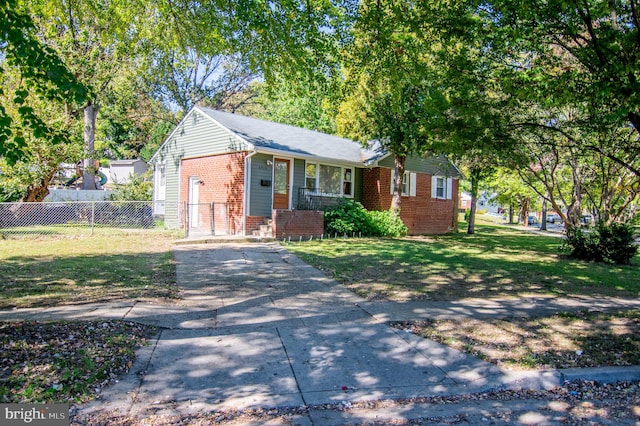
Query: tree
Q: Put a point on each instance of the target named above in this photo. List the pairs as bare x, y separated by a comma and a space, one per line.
511, 191
568, 52
43, 76
392, 88
183, 77
298, 102
97, 42
27, 178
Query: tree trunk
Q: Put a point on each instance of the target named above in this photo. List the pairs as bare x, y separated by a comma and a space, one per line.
89, 170
399, 161
38, 192
574, 209
543, 223
475, 183
524, 211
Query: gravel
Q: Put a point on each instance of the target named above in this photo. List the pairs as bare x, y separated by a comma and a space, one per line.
576, 403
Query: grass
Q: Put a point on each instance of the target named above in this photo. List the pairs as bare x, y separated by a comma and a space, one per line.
495, 262
565, 340
72, 361
60, 270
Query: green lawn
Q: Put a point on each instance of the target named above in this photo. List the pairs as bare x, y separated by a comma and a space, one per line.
51, 271
497, 261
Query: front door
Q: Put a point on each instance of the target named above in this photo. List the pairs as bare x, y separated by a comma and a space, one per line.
281, 183
194, 195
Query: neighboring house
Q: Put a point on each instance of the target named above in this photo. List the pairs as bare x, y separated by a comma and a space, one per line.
465, 201
485, 203
122, 170
224, 173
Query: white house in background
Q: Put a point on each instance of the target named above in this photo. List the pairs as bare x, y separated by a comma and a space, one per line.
121, 170
485, 202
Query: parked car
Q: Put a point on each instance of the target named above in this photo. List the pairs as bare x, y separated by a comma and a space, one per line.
553, 218
586, 219
532, 220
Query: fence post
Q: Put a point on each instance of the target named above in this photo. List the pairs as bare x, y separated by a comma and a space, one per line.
213, 218
93, 215
185, 218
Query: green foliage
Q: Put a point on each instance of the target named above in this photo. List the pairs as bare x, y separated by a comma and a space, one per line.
349, 217
139, 188
298, 102
605, 243
43, 74
346, 218
386, 223
11, 190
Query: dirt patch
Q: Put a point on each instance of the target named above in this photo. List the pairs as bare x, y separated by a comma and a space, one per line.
64, 361
565, 340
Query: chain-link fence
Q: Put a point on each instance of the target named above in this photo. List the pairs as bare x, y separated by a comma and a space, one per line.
204, 219
75, 217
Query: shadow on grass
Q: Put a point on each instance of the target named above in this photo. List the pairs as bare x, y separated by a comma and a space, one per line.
52, 280
495, 263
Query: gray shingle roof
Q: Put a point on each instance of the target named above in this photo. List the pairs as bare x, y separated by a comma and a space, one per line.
267, 135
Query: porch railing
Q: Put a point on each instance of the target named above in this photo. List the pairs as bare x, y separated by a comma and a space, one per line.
314, 199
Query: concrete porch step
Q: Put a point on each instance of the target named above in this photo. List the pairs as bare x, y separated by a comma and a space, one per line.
265, 230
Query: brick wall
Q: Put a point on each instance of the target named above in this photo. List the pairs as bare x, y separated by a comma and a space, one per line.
422, 214
253, 222
222, 181
297, 223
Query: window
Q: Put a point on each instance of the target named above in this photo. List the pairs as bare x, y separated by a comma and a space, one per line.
347, 187
331, 180
310, 175
441, 187
409, 182
405, 184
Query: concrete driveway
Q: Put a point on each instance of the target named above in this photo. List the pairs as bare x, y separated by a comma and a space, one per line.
259, 328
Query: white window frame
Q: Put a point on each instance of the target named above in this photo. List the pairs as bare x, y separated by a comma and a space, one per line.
161, 181
447, 187
342, 178
315, 177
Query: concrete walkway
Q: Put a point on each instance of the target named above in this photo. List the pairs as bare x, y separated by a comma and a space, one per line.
257, 327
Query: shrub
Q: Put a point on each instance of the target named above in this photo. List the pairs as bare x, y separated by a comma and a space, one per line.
387, 224
349, 217
612, 244
139, 188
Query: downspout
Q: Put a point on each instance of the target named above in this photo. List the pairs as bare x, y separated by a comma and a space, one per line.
247, 183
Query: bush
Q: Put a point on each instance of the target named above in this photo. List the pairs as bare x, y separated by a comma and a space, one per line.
612, 244
349, 217
387, 224
139, 188
346, 218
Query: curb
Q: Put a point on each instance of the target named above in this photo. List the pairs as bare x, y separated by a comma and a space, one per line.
602, 374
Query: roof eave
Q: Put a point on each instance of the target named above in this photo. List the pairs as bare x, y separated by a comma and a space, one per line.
284, 153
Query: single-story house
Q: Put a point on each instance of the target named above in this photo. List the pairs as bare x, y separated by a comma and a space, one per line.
228, 174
